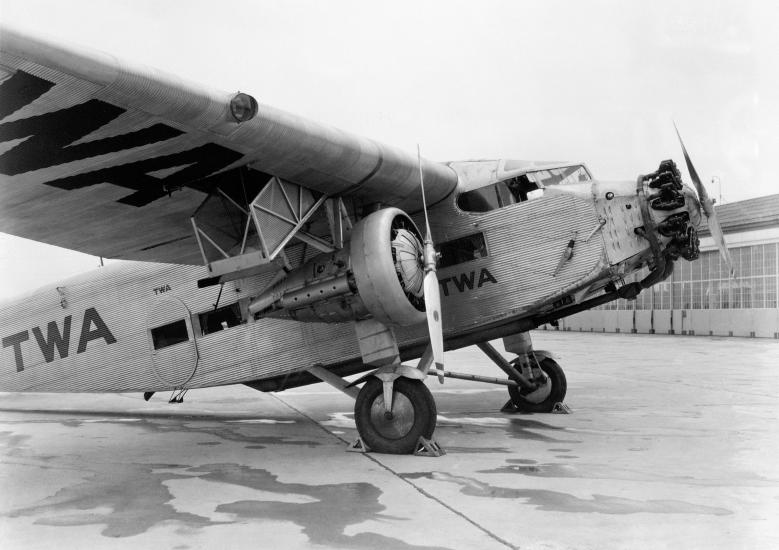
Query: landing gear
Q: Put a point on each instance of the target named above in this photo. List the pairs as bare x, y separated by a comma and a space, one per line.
552, 386
396, 430
536, 381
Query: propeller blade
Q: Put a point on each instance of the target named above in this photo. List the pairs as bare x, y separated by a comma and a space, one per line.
708, 208
430, 287
434, 324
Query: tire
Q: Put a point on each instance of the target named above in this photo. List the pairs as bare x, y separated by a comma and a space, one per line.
414, 416
555, 376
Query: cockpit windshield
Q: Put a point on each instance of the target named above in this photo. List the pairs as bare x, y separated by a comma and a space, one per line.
560, 176
525, 187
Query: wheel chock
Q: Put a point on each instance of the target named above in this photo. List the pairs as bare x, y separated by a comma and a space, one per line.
509, 407
358, 446
561, 408
428, 447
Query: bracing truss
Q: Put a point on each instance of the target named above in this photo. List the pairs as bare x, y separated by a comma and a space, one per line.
238, 238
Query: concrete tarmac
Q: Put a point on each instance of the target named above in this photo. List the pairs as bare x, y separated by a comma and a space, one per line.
672, 443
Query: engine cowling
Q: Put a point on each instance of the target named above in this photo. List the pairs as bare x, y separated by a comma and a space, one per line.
385, 252
379, 274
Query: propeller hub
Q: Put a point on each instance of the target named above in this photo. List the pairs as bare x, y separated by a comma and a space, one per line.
408, 253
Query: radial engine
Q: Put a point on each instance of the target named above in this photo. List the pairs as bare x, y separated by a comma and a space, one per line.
379, 274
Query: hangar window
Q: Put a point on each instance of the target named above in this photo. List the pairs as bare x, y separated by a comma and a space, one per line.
170, 334
220, 318
462, 250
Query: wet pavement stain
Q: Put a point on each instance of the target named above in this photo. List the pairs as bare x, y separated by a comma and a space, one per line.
479, 450
555, 501
134, 493
335, 506
13, 441
241, 433
536, 470
524, 428
218, 428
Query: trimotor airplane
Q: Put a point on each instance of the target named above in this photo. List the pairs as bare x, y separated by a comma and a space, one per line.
273, 251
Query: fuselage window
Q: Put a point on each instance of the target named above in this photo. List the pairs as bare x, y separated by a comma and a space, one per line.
499, 195
220, 319
524, 187
170, 334
479, 200
462, 250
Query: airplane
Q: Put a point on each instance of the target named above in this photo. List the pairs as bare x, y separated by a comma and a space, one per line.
273, 251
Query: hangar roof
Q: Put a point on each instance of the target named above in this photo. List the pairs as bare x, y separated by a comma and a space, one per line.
745, 215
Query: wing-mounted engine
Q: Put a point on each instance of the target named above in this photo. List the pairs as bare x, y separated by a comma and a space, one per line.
378, 274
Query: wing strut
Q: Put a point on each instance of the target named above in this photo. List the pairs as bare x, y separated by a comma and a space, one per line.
277, 215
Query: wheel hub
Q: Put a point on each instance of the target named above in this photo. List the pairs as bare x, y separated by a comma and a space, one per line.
396, 423
540, 393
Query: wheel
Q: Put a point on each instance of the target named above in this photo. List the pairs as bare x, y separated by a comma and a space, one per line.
544, 398
413, 415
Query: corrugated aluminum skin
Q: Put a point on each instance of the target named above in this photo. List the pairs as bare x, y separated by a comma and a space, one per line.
90, 219
525, 242
124, 296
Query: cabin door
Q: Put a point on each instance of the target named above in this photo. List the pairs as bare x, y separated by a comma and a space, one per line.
172, 342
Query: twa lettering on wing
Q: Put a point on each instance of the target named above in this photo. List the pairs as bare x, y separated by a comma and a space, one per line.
52, 139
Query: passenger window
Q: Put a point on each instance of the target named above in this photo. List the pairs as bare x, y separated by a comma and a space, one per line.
479, 200
220, 319
170, 334
462, 250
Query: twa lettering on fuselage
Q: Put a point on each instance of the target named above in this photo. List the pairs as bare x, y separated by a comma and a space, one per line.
161, 289
47, 140
466, 281
92, 328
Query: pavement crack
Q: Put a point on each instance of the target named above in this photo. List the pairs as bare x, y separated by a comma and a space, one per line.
400, 477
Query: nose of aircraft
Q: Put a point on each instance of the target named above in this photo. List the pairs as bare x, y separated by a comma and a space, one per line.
672, 212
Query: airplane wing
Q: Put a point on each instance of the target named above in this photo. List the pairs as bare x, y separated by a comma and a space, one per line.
111, 159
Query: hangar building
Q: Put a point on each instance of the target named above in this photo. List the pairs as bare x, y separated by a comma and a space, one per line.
699, 298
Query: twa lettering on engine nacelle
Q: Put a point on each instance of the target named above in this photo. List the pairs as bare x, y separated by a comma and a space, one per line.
92, 328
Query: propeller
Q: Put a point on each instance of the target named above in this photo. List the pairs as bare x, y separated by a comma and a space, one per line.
708, 208
430, 287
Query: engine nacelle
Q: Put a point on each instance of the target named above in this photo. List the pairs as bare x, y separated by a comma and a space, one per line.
380, 274
386, 254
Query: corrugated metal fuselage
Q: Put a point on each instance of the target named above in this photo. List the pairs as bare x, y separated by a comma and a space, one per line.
92, 333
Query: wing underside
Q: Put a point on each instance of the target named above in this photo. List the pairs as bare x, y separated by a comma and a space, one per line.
113, 160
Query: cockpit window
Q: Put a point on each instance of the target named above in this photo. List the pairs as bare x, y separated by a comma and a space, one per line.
479, 200
560, 176
520, 188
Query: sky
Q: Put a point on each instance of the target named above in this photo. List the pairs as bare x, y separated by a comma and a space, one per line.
597, 81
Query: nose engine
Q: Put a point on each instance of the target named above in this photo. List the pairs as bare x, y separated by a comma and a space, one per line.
671, 212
